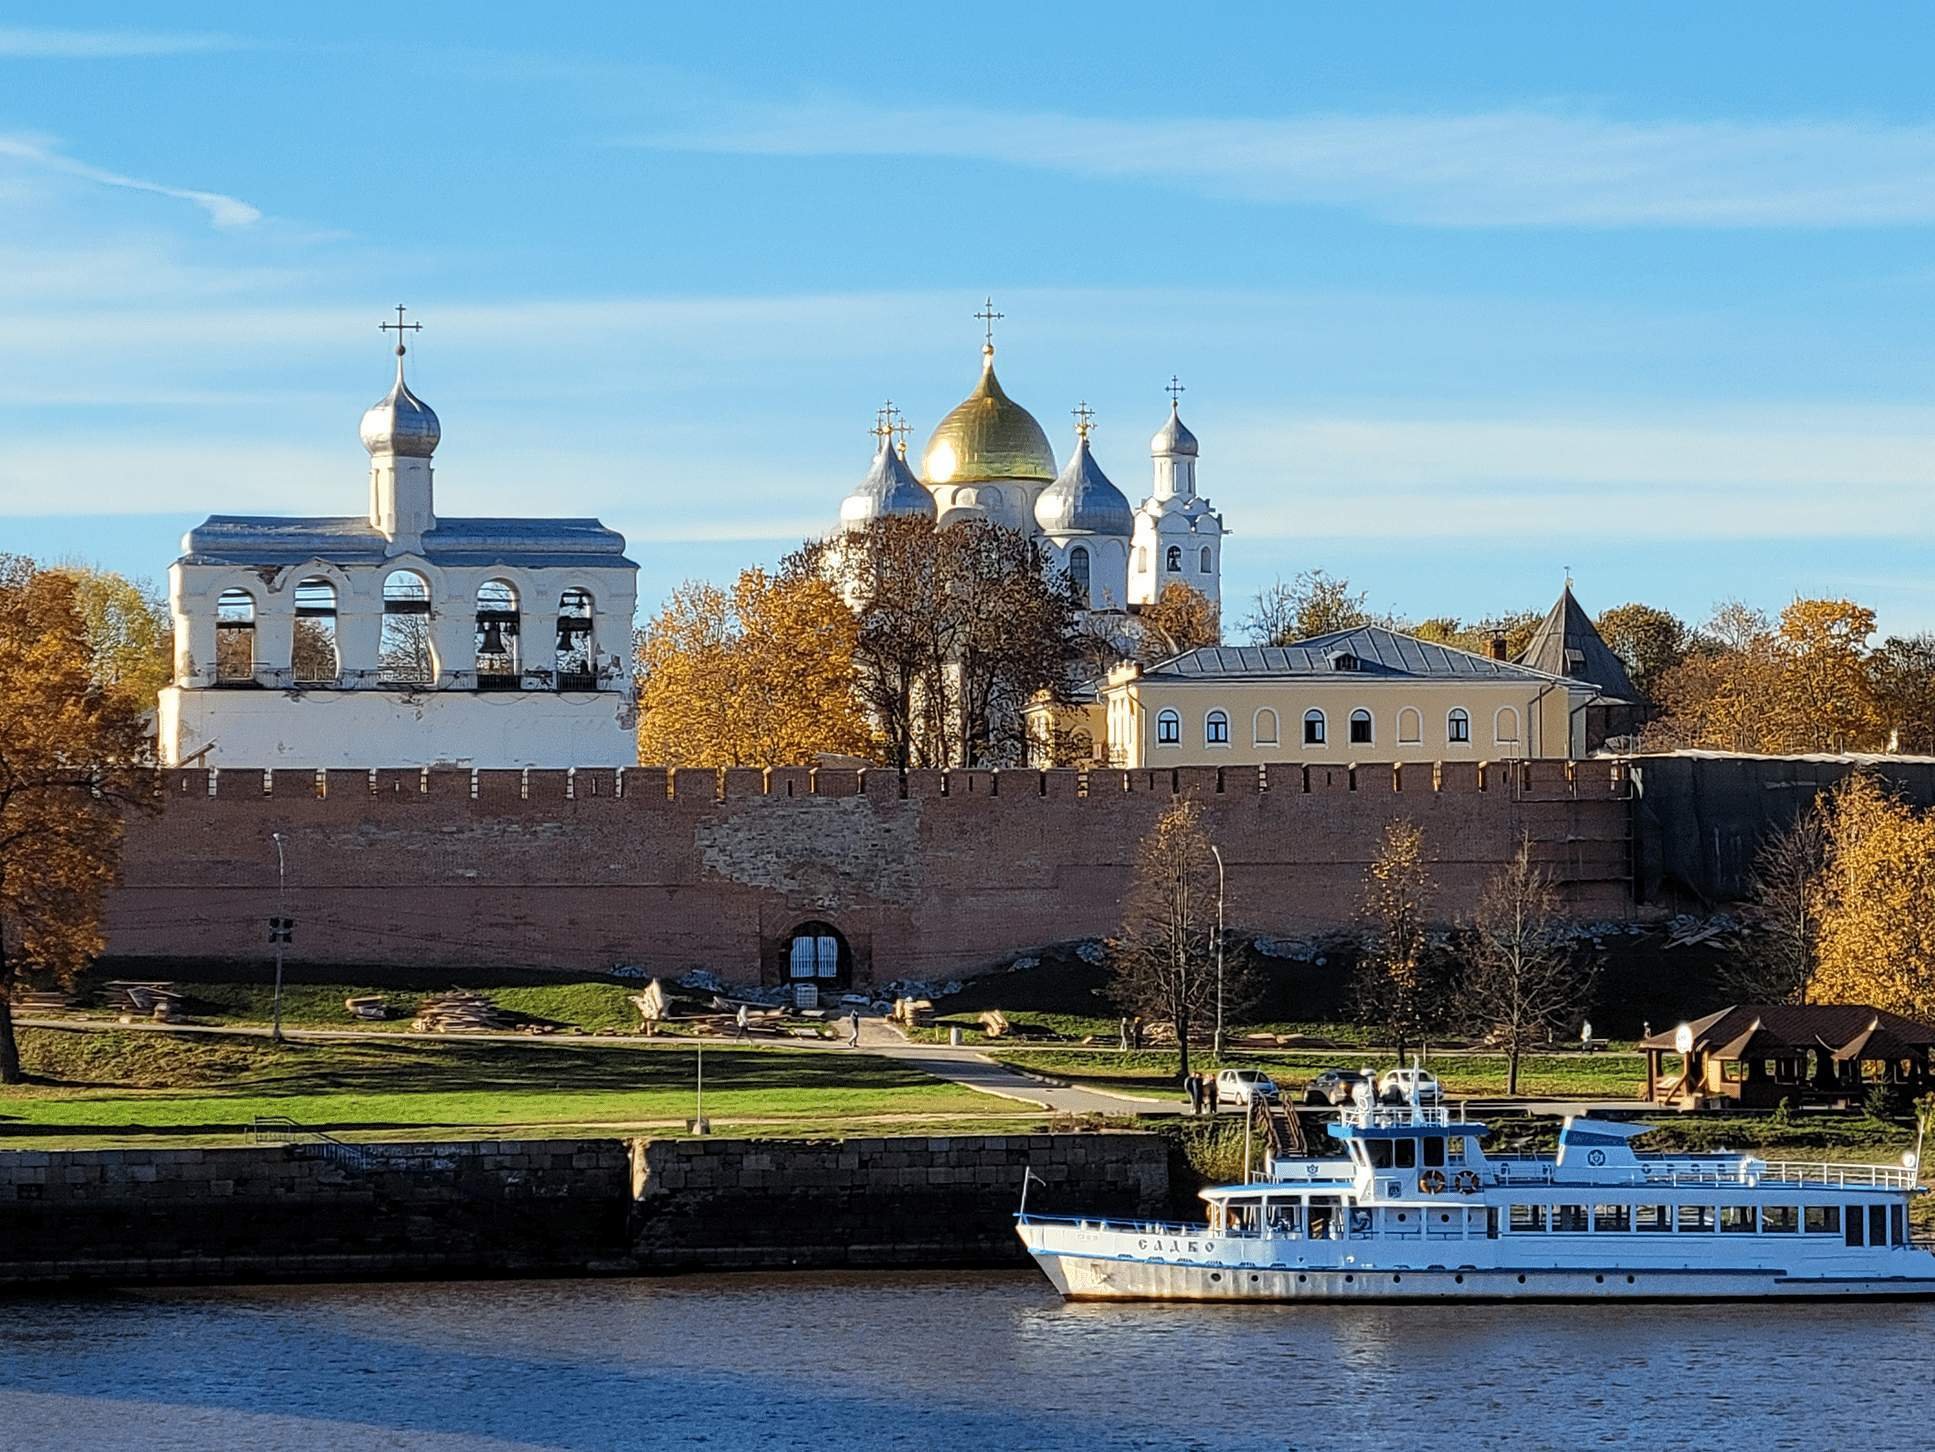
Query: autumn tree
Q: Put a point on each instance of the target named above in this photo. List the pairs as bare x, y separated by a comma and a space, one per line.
1826, 702
1901, 674
761, 674
1180, 619
959, 629
1315, 602
1163, 963
130, 637
1777, 962
1877, 935
1648, 641
73, 754
1523, 983
1397, 986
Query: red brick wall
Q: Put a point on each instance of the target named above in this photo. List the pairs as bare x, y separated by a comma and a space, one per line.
936, 874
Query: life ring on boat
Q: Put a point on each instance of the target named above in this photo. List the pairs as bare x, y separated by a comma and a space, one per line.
1432, 1182
1465, 1182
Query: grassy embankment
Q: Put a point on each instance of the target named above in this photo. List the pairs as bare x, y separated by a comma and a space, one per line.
1152, 1073
107, 1087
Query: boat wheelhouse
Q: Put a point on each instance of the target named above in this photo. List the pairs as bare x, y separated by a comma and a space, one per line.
1411, 1207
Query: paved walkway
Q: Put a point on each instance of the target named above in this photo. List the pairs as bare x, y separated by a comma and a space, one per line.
974, 1070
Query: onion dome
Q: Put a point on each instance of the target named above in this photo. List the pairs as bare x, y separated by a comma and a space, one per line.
988, 436
400, 422
1173, 437
889, 488
1082, 500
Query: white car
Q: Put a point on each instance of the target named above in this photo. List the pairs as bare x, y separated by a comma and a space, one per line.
1245, 1086
1395, 1087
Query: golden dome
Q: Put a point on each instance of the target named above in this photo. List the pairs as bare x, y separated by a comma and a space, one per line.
987, 436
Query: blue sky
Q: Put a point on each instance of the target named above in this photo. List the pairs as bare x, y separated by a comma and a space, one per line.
1461, 295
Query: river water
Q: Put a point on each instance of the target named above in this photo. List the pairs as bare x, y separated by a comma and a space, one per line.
933, 1362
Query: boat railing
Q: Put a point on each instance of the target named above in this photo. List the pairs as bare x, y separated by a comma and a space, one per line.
1200, 1230
1396, 1116
1696, 1171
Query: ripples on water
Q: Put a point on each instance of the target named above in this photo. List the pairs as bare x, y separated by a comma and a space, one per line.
935, 1362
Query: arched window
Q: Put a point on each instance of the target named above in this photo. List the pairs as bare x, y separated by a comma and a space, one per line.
1216, 728
497, 631
1360, 727
1410, 726
1142, 559
1078, 573
312, 656
1263, 729
404, 656
1174, 559
1168, 728
1505, 726
235, 638
1313, 728
1205, 564
1458, 727
576, 669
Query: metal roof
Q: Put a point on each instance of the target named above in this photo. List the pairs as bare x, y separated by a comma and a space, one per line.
246, 540
1371, 650
1567, 643
1847, 1030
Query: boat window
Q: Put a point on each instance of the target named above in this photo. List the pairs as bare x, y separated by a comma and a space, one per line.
1323, 1218
1780, 1219
1491, 1222
1696, 1217
1241, 1217
1434, 1151
1528, 1217
1406, 1151
1282, 1216
1823, 1219
1377, 1152
1570, 1219
1653, 1217
1455, 1149
1877, 1225
1853, 1225
1739, 1219
1612, 1217
1899, 1216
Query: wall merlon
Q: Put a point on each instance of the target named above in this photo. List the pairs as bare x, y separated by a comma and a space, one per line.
836, 781
293, 785
742, 782
645, 783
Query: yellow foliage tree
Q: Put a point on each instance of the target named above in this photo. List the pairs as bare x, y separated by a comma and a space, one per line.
131, 641
73, 757
1877, 936
758, 675
1827, 696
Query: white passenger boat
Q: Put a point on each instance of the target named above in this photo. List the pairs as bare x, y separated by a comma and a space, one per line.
1412, 1208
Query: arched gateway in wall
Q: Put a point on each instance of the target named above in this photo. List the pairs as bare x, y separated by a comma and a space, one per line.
818, 953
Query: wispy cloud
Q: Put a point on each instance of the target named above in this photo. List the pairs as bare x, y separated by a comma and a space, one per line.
30, 43
1522, 168
223, 211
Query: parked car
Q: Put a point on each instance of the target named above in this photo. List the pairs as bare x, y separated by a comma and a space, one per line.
1245, 1087
1396, 1086
1338, 1086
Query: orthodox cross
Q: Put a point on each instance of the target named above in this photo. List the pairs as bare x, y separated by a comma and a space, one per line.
901, 429
989, 316
883, 420
399, 327
1084, 418
1175, 391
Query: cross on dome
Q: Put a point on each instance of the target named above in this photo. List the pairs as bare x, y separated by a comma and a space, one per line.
990, 317
399, 327
1084, 418
1175, 390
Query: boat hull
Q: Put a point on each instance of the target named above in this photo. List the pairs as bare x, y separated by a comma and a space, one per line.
1106, 1278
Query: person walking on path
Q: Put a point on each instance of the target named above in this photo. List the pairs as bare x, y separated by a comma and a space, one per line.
1209, 1093
853, 1029
1194, 1088
742, 1019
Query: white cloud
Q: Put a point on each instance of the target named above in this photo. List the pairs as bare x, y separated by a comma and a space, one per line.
1503, 168
223, 211
28, 43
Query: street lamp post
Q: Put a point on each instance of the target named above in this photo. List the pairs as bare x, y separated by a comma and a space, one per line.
1218, 1047
281, 934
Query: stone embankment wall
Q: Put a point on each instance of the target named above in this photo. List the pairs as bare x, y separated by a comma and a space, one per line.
873, 1202
307, 1211
924, 874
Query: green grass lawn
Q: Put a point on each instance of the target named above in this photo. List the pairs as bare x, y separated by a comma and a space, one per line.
1595, 1076
137, 1083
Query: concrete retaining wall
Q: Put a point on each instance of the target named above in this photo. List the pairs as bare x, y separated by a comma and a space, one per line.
306, 1211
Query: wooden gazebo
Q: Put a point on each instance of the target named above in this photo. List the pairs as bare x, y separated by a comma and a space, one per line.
1754, 1057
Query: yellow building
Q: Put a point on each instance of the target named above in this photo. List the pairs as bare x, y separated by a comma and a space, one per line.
1362, 695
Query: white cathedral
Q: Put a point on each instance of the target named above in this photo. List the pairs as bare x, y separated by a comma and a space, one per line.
989, 459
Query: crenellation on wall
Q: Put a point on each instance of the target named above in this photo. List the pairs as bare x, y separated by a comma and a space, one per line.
744, 781
836, 781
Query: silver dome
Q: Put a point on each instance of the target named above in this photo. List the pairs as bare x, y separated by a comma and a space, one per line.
1173, 438
401, 423
1083, 501
889, 488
